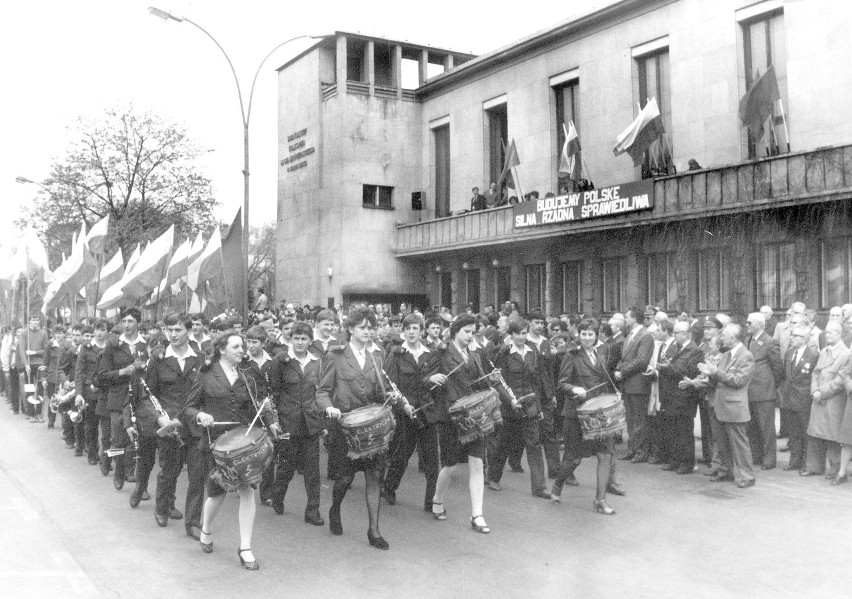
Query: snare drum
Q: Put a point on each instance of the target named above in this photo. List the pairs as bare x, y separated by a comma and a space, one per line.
368, 430
240, 458
602, 416
472, 415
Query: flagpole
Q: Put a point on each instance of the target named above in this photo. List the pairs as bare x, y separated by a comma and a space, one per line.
98, 282
784, 121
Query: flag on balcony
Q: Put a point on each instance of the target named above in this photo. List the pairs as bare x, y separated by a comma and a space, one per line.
569, 161
511, 162
641, 133
757, 104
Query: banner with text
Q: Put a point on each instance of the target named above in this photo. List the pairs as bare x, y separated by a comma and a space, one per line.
583, 205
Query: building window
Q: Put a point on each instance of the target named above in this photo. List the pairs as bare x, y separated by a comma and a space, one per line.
764, 45
835, 271
502, 285
378, 196
445, 290
497, 121
612, 280
567, 109
654, 76
572, 287
662, 283
776, 277
442, 170
535, 287
471, 285
713, 288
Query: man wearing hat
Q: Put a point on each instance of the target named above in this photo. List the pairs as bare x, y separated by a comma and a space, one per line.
119, 368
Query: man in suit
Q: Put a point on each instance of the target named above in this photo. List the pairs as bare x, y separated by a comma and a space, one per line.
728, 385
636, 387
350, 380
677, 404
829, 403
762, 392
771, 321
659, 433
799, 363
477, 200
615, 344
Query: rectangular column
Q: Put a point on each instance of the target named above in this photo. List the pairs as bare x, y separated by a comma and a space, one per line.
423, 69
396, 70
549, 286
370, 65
340, 66
448, 62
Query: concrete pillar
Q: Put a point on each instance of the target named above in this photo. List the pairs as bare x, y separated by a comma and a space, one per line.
423, 66
549, 286
370, 65
448, 62
396, 70
456, 284
517, 285
340, 66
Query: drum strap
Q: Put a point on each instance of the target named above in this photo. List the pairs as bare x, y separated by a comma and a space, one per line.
606, 372
378, 374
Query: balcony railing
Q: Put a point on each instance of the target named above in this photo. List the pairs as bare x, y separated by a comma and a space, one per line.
820, 175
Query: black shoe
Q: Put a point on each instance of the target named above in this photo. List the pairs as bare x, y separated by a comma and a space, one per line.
768, 467
71, 445
653, 460
789, 467
542, 494
809, 473
685, 469
669, 467
135, 498
194, 532
78, 453
377, 542
615, 489
162, 519
334, 522
278, 506
719, 477
94, 461
390, 496
118, 483
628, 456
131, 478
745, 484
313, 517
105, 465
175, 514
205, 547
638, 459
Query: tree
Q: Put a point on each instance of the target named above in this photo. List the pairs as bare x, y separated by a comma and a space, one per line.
261, 259
136, 167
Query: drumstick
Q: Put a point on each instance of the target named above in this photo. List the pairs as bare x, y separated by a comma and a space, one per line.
256, 416
224, 423
421, 407
433, 387
596, 387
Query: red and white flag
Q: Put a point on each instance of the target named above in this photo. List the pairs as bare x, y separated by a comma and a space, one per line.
641, 133
569, 161
152, 266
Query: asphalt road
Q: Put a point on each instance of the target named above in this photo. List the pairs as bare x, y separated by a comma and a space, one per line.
67, 533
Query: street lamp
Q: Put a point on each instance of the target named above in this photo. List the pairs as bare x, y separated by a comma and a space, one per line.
245, 113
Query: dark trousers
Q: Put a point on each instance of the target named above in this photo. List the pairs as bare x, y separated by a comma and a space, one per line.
142, 461
14, 390
761, 432
50, 391
636, 413
681, 443
172, 459
298, 452
797, 431
86, 433
106, 432
706, 431
659, 436
550, 438
4, 385
196, 472
524, 431
120, 440
28, 408
817, 452
408, 436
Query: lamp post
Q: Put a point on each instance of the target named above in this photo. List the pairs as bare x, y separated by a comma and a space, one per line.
245, 113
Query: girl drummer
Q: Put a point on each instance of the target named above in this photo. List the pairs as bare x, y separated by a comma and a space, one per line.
460, 369
583, 375
222, 393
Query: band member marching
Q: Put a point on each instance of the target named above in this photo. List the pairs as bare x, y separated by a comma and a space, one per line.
88, 395
459, 369
222, 393
168, 382
121, 361
140, 424
350, 380
411, 367
293, 378
257, 363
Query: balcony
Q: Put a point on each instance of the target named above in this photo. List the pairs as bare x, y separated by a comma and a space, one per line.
820, 175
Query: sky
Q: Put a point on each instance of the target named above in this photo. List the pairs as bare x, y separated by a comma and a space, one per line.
63, 60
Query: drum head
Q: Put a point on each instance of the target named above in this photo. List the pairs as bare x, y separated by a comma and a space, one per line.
362, 415
598, 403
472, 399
237, 438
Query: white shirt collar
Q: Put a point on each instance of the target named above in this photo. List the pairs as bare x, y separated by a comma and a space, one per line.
474, 345
308, 358
514, 350
264, 358
123, 338
170, 352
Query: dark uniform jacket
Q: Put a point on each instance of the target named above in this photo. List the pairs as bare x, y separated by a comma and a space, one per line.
295, 392
461, 382
682, 362
796, 387
577, 370
524, 375
117, 355
171, 385
85, 378
344, 384
412, 378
